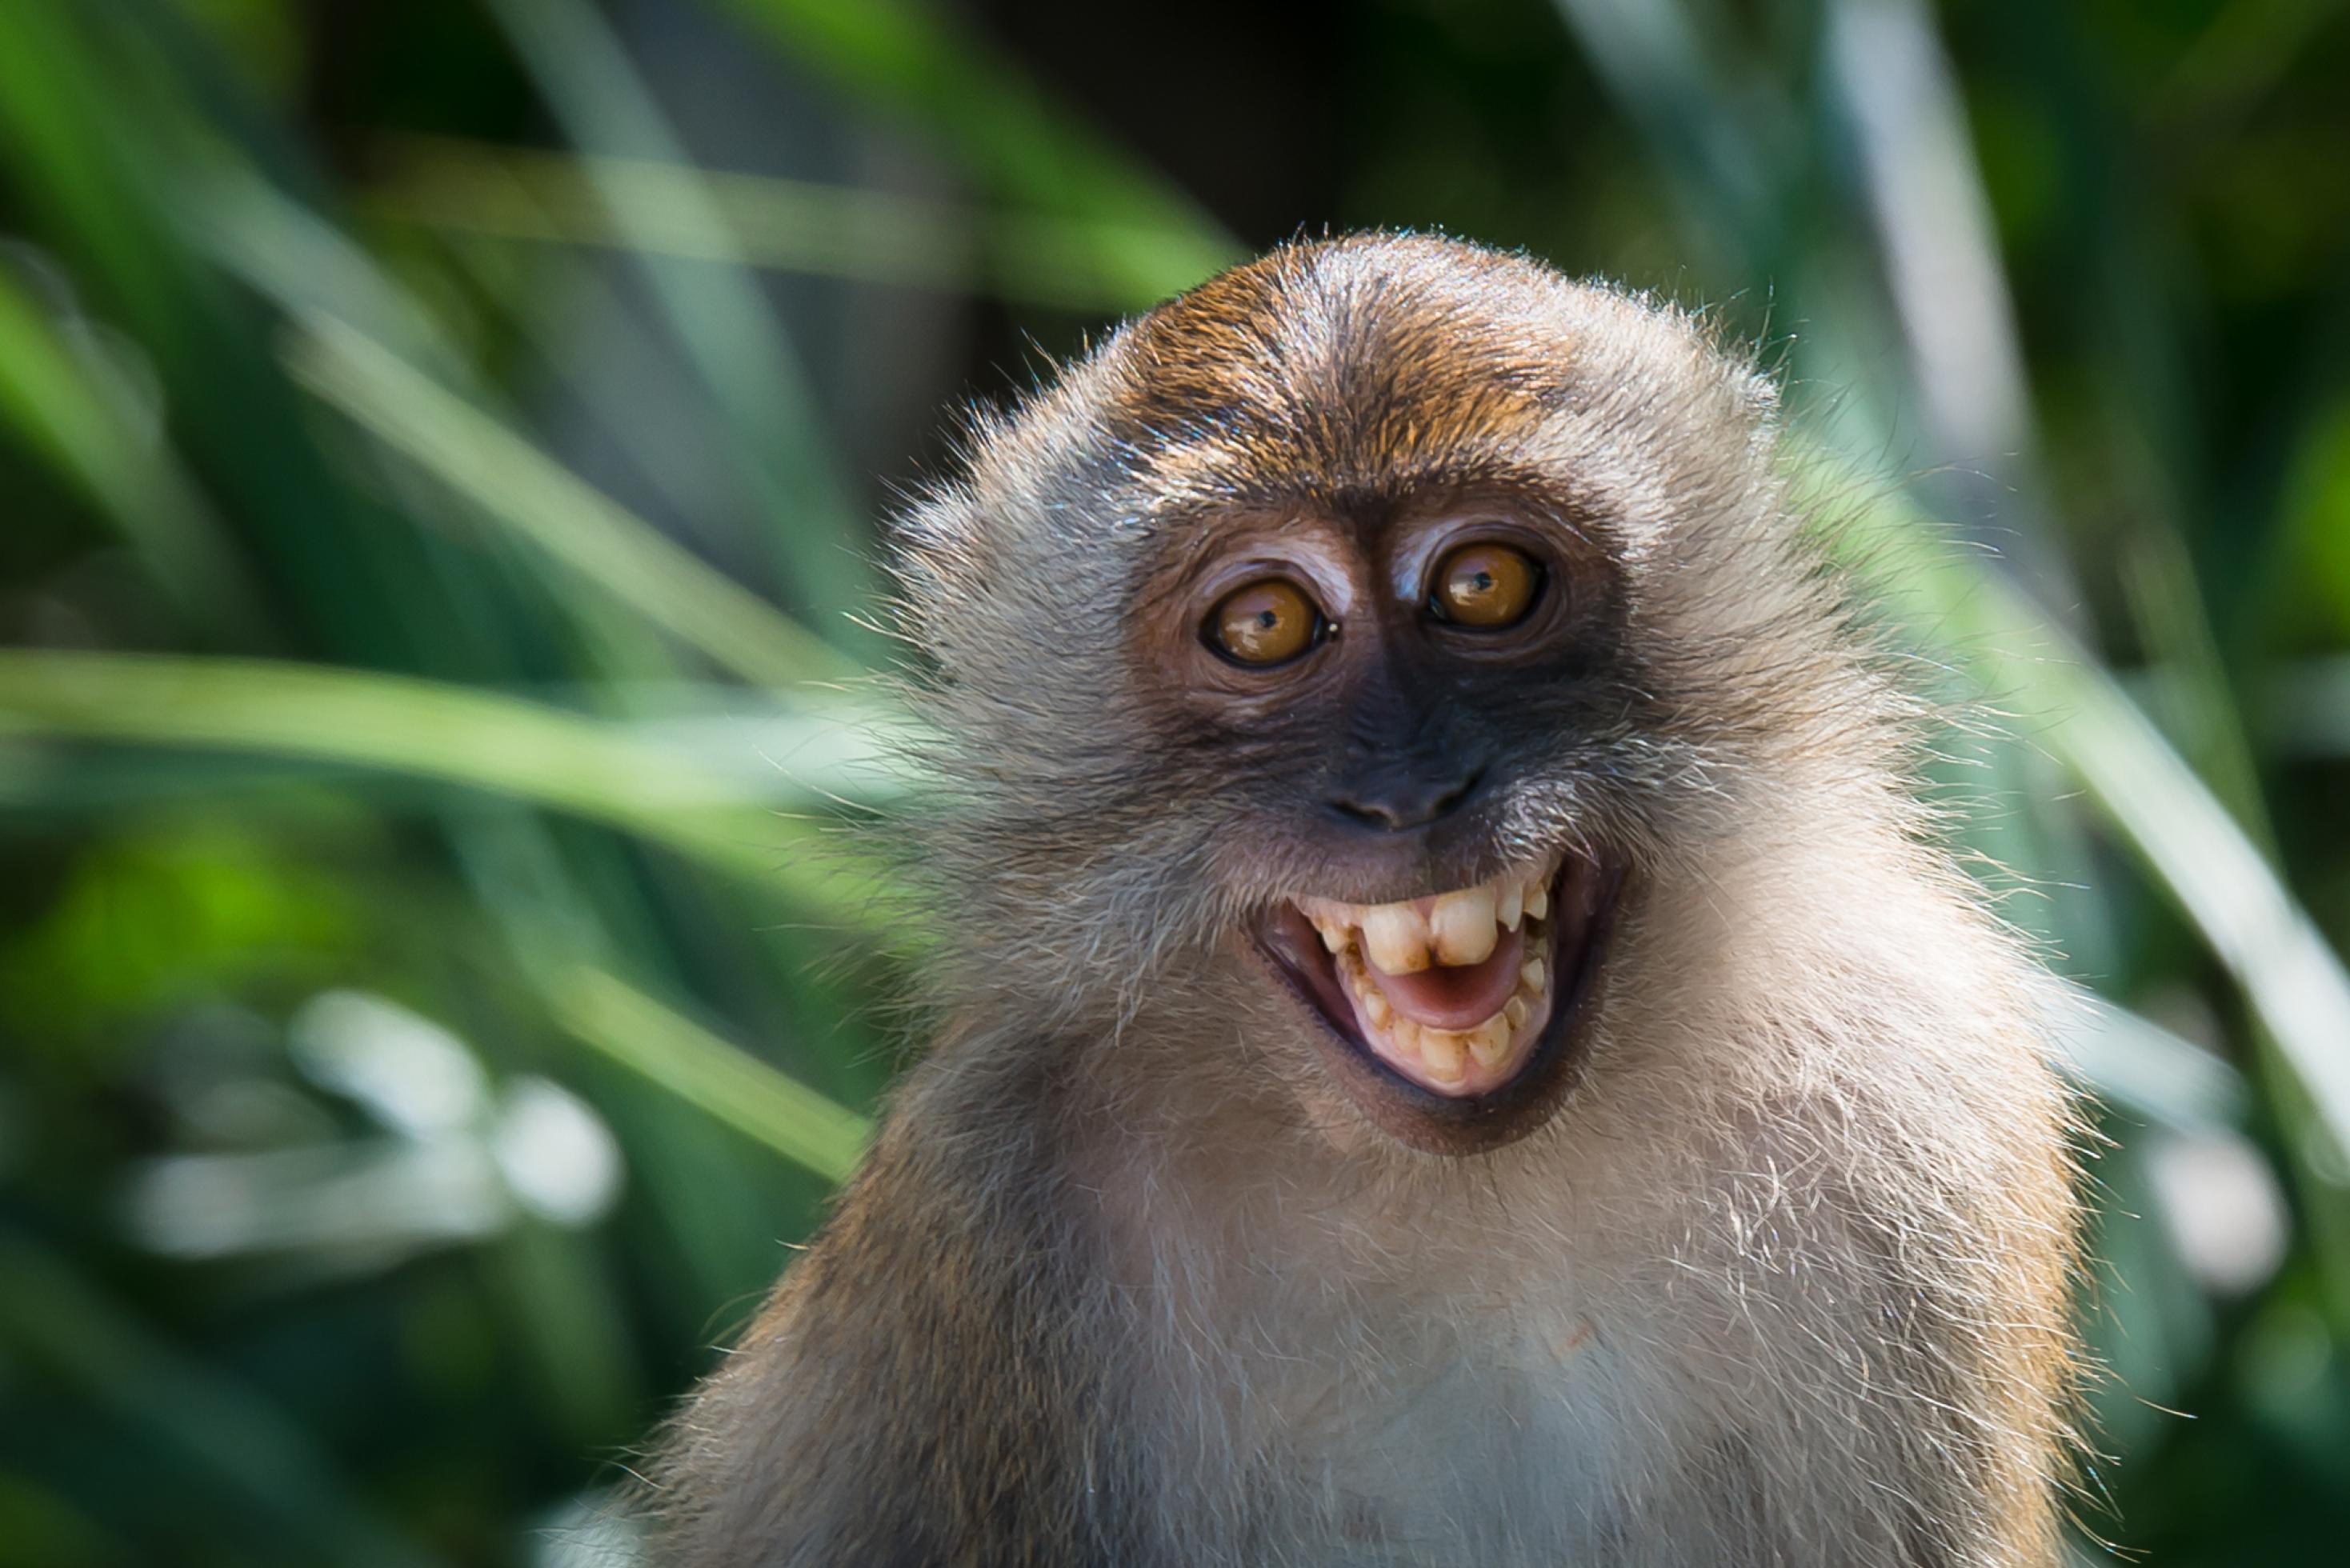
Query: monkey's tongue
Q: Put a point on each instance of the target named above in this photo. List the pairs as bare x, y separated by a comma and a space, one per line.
1456, 997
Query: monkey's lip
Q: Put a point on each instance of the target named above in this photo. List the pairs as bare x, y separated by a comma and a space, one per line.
1408, 1049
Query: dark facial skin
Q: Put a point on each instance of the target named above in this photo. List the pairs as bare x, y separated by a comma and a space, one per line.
1387, 748
1383, 741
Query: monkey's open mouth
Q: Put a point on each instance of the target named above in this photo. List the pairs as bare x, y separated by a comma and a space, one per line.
1464, 996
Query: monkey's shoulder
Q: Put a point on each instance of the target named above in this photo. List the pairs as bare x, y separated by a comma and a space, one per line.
927, 1384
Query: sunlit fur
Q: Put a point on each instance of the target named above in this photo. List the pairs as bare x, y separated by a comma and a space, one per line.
1128, 1280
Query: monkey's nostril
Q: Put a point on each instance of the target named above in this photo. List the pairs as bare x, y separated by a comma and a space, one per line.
1367, 815
1461, 791
1393, 802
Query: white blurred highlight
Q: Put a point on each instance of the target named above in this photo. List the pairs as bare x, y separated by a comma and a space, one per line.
457, 1161
2221, 1207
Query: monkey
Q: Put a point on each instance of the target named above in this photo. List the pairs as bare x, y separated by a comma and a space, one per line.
1457, 1039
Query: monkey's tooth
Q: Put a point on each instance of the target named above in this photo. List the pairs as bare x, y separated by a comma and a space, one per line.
1490, 1041
1533, 975
1462, 924
1510, 905
1516, 1010
1375, 1007
1538, 900
1407, 1036
1441, 1050
1396, 937
1334, 935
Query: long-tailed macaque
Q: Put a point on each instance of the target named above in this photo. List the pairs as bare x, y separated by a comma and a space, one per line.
1455, 1044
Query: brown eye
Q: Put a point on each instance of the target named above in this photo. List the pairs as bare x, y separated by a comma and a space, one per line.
1265, 623
1485, 586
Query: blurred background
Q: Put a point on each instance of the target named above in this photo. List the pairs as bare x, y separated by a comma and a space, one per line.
441, 446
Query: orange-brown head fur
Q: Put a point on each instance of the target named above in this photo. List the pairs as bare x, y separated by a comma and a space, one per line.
1320, 371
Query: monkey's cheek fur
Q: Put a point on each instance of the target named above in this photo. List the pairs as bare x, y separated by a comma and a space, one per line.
1453, 1022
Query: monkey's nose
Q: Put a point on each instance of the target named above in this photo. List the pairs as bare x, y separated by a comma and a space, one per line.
1393, 799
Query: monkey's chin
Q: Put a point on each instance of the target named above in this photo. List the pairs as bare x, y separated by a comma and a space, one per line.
1453, 1021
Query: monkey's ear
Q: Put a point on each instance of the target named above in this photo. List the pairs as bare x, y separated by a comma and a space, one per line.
938, 525
933, 543
1753, 365
1744, 368
936, 554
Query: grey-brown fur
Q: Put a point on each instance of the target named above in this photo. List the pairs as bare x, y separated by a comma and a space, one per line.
1783, 1281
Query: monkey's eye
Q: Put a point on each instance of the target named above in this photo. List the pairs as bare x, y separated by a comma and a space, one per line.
1265, 623
1488, 586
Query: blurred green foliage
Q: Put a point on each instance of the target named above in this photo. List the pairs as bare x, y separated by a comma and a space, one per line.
437, 447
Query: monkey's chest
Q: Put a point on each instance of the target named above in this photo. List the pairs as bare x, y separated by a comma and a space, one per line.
1404, 1448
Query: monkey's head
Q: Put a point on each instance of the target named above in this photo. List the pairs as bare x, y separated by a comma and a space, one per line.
1347, 648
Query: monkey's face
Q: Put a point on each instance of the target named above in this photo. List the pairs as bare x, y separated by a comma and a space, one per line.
1396, 696
1374, 621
